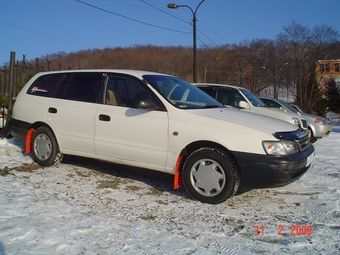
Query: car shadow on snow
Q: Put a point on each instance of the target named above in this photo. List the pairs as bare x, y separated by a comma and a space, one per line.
160, 181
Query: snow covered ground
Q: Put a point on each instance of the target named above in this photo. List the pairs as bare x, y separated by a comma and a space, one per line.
85, 206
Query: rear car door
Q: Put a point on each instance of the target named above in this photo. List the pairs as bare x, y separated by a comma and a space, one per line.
71, 112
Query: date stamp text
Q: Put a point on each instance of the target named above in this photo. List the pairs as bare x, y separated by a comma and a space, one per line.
293, 230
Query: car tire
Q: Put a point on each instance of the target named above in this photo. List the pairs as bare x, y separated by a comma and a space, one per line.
313, 139
44, 147
210, 175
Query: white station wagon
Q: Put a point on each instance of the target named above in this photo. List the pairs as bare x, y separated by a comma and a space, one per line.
158, 122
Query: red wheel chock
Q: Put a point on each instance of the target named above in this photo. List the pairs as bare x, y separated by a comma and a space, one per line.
28, 140
178, 175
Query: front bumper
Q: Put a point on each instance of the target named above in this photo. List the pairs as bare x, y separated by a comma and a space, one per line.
265, 171
321, 130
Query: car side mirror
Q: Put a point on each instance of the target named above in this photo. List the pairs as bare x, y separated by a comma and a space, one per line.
244, 105
282, 109
147, 104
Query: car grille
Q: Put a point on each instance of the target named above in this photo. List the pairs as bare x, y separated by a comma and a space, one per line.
304, 123
304, 143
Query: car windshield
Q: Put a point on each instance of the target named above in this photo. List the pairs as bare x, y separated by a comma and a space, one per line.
296, 107
252, 98
290, 108
180, 93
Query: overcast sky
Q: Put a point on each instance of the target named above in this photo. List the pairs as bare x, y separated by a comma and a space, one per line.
38, 28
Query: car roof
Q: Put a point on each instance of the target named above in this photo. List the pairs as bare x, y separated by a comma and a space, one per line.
121, 71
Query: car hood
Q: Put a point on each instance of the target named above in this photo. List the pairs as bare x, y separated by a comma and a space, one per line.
275, 113
255, 121
311, 117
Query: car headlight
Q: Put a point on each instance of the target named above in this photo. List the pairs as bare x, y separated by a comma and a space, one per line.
282, 147
295, 121
319, 121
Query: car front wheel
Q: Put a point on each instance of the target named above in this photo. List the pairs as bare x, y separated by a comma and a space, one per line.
313, 139
210, 175
44, 147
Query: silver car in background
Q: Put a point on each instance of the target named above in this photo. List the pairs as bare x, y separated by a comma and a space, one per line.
244, 100
319, 126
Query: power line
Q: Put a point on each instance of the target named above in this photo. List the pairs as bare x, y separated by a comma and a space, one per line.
153, 14
123, 16
40, 33
207, 38
214, 32
159, 9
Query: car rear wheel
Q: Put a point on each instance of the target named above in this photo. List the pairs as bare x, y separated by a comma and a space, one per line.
44, 147
210, 175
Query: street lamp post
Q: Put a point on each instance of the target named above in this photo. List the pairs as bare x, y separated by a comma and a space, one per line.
205, 69
194, 19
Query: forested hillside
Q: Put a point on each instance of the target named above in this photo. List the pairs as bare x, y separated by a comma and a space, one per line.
263, 66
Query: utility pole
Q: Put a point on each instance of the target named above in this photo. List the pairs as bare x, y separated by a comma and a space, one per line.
11, 82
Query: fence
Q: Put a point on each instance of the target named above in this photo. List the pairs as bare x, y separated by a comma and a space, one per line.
15, 75
12, 79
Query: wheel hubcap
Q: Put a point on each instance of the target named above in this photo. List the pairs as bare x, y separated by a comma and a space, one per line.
207, 177
42, 147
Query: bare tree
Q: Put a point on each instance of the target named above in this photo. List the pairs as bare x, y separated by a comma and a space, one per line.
264, 66
306, 46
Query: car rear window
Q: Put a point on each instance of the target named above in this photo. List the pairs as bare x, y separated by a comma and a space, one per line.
84, 87
43, 86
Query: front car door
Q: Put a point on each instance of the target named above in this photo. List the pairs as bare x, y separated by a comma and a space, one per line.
124, 132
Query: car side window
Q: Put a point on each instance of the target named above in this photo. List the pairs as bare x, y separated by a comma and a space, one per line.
84, 87
210, 91
271, 104
225, 96
229, 96
44, 85
125, 91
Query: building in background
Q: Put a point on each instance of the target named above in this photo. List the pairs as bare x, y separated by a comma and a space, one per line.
327, 70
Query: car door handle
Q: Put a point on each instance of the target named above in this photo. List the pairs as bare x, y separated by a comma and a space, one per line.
52, 110
104, 117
